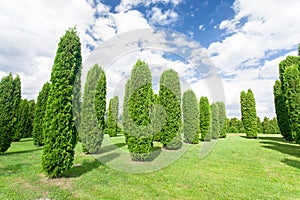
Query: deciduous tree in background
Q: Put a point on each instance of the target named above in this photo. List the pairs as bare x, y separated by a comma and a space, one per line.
38, 137
59, 125
190, 112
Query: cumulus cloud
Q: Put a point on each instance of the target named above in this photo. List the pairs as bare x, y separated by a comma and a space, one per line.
157, 16
258, 31
126, 5
30, 31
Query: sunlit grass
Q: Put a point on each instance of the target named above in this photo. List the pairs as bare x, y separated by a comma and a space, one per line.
237, 168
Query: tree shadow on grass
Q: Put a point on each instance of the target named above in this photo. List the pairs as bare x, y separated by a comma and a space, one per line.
275, 139
154, 154
20, 152
111, 147
80, 169
286, 148
293, 163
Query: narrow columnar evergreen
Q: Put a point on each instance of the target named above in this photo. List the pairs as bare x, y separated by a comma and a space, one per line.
31, 116
23, 120
40, 109
60, 136
282, 112
10, 97
259, 125
190, 112
140, 134
125, 114
170, 99
91, 133
248, 111
222, 119
215, 124
100, 99
158, 118
112, 117
204, 119
291, 80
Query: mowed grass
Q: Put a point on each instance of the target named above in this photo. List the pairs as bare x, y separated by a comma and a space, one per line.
236, 168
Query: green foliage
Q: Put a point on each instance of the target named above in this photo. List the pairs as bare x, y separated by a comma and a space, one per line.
24, 126
60, 135
215, 124
158, 118
170, 99
282, 112
31, 112
100, 99
140, 135
235, 126
248, 110
38, 137
125, 114
190, 112
270, 126
112, 118
10, 97
91, 132
291, 83
259, 125
204, 119
222, 119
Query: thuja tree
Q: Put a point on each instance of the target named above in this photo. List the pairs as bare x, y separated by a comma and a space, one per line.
158, 118
140, 135
248, 110
41, 103
23, 120
90, 132
204, 119
190, 112
282, 112
112, 117
222, 119
31, 112
259, 125
170, 99
125, 113
215, 125
291, 80
10, 97
60, 135
100, 99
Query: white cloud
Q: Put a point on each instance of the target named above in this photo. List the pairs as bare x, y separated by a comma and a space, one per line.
126, 5
258, 31
201, 27
30, 31
157, 16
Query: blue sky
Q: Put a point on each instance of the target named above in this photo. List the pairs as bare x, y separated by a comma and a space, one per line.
244, 39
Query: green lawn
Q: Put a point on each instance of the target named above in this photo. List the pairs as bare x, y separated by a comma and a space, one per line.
236, 168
